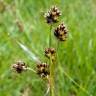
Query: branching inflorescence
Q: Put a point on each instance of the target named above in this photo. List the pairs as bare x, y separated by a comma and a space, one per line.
45, 70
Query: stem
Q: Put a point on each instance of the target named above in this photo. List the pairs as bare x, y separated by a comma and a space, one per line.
48, 86
50, 41
31, 69
57, 59
51, 78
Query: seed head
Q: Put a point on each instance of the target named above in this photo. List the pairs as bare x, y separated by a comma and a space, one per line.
43, 70
52, 15
50, 53
61, 32
19, 66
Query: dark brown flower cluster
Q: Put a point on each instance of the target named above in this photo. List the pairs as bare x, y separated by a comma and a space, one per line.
61, 32
50, 53
52, 15
43, 70
19, 67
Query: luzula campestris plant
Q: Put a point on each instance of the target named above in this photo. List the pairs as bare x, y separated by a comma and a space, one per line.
45, 70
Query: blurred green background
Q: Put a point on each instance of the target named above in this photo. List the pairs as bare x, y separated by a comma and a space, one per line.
23, 21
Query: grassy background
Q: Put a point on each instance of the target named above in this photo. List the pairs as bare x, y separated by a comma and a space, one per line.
23, 20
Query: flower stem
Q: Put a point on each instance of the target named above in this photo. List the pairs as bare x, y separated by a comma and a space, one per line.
50, 41
57, 59
51, 78
31, 69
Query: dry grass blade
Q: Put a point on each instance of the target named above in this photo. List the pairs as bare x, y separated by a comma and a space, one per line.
32, 55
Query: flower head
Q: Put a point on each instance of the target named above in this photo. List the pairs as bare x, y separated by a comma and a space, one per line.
43, 69
19, 66
52, 15
61, 32
50, 53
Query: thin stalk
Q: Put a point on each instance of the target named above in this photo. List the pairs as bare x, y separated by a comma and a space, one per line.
50, 41
51, 78
48, 88
57, 58
31, 69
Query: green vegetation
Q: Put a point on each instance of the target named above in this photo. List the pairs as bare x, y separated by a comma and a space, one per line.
23, 21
